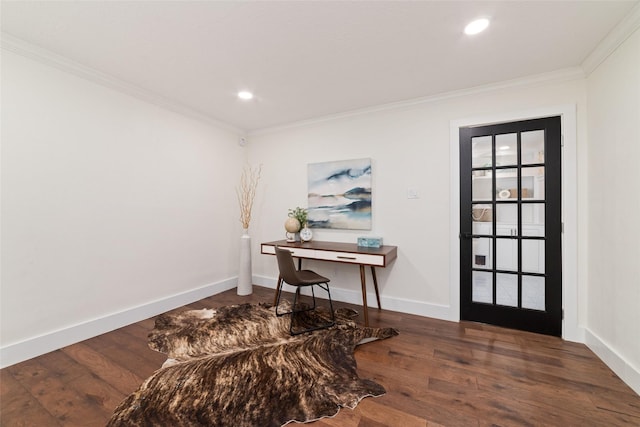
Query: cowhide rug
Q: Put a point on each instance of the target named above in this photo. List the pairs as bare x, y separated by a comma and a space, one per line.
239, 366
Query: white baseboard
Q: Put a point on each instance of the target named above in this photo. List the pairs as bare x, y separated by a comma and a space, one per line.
36, 346
402, 305
629, 374
621, 367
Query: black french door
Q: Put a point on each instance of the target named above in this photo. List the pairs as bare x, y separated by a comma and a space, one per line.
510, 225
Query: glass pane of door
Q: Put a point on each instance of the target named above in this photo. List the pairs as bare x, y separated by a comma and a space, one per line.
533, 183
533, 219
507, 149
482, 213
506, 184
481, 151
482, 287
532, 143
507, 219
506, 254
533, 292
507, 289
533, 256
481, 187
481, 252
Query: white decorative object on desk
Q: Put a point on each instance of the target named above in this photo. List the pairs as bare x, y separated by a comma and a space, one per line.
369, 242
292, 225
306, 234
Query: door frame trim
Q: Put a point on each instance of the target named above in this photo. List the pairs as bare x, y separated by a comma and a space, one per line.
570, 324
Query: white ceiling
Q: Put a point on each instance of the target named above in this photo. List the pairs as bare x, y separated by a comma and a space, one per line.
309, 59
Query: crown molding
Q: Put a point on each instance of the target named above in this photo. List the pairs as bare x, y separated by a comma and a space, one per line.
46, 57
617, 36
23, 48
565, 74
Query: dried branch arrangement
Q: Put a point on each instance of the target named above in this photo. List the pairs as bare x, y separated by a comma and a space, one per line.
246, 192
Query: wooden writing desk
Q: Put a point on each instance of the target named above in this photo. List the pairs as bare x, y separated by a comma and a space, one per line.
348, 253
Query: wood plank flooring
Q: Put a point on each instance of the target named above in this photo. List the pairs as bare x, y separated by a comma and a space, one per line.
436, 373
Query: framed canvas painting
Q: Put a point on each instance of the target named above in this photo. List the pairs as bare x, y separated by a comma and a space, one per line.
339, 194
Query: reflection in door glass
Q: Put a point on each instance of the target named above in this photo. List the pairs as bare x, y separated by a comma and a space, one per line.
482, 287
533, 182
532, 147
533, 256
481, 253
481, 153
507, 254
507, 289
533, 214
507, 149
481, 187
482, 213
530, 185
533, 292
507, 219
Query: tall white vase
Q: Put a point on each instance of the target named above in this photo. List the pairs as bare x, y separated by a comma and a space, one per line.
245, 287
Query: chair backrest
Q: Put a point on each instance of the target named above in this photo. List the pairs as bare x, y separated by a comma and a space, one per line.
287, 267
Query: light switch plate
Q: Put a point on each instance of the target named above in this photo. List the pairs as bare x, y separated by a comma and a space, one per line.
412, 193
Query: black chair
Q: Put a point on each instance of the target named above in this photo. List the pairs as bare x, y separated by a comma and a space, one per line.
300, 279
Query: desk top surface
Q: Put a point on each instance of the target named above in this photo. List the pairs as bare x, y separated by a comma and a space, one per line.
389, 252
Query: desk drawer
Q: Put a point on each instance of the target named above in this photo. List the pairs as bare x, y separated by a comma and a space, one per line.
301, 252
296, 252
351, 258
268, 249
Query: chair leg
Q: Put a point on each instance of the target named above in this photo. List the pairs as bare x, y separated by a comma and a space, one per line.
295, 301
278, 295
313, 295
278, 289
294, 311
314, 328
296, 297
333, 314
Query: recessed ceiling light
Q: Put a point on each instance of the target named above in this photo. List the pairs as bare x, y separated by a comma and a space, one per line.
476, 26
246, 95
504, 147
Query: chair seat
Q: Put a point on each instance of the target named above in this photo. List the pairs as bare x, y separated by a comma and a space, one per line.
308, 278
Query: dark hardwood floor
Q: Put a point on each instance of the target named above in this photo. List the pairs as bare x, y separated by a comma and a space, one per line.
435, 372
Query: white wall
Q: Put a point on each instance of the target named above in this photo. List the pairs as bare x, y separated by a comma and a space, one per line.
109, 203
410, 147
613, 314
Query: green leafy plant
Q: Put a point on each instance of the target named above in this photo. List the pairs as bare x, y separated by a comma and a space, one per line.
300, 214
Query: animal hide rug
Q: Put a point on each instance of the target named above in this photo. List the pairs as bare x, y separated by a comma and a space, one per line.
239, 366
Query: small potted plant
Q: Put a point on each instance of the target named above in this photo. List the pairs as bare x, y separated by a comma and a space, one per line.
300, 214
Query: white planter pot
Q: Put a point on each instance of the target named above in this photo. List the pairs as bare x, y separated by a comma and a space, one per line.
245, 286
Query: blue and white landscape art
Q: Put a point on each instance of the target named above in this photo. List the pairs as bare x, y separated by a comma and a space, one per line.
340, 194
